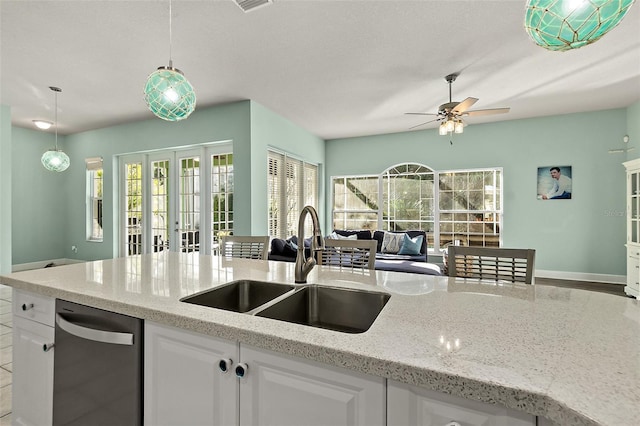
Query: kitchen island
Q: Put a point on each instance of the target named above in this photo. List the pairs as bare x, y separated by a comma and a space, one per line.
571, 356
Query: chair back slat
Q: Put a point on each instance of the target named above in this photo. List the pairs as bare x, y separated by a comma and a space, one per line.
244, 247
351, 254
499, 264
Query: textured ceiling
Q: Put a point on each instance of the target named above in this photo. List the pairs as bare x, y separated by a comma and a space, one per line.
335, 68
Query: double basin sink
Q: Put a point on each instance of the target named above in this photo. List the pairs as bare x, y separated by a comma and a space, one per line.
338, 309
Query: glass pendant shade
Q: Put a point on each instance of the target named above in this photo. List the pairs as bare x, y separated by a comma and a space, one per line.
449, 125
55, 160
459, 127
169, 95
442, 130
562, 25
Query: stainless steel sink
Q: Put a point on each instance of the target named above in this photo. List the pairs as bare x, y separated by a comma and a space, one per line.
339, 309
239, 296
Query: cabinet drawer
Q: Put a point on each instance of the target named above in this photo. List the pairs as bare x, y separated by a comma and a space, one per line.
34, 307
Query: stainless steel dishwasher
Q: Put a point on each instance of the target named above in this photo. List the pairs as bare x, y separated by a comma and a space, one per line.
97, 373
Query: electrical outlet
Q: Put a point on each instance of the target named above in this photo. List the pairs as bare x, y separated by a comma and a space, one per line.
74, 249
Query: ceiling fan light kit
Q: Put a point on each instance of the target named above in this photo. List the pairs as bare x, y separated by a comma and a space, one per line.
55, 159
562, 25
168, 93
450, 114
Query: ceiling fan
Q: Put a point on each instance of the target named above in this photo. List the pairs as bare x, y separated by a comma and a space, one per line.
450, 114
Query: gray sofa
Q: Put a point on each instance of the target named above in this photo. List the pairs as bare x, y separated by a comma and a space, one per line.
411, 260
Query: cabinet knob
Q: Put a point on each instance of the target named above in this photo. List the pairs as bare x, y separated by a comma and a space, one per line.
26, 307
48, 346
241, 370
452, 424
225, 364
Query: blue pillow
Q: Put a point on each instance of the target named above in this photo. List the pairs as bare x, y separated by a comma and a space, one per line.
411, 246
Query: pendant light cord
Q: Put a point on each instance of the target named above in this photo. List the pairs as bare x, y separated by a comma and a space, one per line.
170, 36
56, 119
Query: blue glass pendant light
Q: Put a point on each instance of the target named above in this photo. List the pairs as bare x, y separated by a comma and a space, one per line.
168, 94
55, 159
562, 25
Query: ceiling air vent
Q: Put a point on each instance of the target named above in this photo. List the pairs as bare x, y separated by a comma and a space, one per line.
248, 5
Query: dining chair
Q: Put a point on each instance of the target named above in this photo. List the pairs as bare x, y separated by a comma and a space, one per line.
352, 254
247, 247
498, 264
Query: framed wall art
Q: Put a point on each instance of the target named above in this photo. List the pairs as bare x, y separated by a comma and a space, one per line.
554, 183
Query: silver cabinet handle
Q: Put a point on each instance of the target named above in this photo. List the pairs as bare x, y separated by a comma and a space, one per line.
225, 364
452, 424
26, 307
241, 370
112, 337
48, 346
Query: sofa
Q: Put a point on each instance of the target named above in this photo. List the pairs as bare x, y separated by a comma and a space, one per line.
395, 251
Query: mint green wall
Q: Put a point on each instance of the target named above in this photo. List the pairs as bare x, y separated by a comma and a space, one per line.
633, 130
5, 189
38, 199
269, 130
583, 235
221, 123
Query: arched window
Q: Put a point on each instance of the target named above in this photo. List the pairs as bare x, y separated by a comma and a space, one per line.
408, 198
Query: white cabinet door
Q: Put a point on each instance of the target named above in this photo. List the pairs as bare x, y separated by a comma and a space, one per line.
633, 271
183, 382
411, 405
281, 390
32, 389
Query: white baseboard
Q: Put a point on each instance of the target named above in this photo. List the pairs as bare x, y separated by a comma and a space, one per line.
41, 264
581, 276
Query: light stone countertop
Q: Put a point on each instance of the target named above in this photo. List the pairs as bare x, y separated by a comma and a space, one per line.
572, 356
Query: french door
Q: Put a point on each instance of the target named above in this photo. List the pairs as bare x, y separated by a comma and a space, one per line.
176, 200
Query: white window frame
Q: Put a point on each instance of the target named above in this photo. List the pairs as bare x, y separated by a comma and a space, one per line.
95, 203
205, 152
305, 178
435, 247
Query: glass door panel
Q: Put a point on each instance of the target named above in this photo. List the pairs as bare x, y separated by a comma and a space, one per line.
189, 204
221, 197
133, 208
160, 198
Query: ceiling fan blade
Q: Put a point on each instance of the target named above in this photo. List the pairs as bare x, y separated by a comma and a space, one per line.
422, 124
478, 112
420, 113
464, 105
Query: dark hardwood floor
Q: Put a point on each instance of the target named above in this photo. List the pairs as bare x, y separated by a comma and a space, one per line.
617, 289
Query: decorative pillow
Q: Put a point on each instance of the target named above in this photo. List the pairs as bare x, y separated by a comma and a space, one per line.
335, 236
411, 246
277, 246
362, 235
392, 242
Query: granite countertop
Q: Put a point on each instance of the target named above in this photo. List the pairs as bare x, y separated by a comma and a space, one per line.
572, 356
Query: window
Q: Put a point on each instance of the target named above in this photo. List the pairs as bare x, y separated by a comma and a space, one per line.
291, 184
355, 202
94, 198
464, 206
176, 200
470, 208
221, 194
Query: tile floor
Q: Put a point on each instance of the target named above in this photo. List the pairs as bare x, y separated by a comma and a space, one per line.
5, 355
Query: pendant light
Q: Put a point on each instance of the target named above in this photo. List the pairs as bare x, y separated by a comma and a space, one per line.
562, 25
168, 94
54, 159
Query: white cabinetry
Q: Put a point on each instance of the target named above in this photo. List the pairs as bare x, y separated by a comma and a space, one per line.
184, 384
33, 335
284, 390
414, 406
633, 228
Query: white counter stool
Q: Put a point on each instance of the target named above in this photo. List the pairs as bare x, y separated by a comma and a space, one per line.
498, 264
350, 254
247, 247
